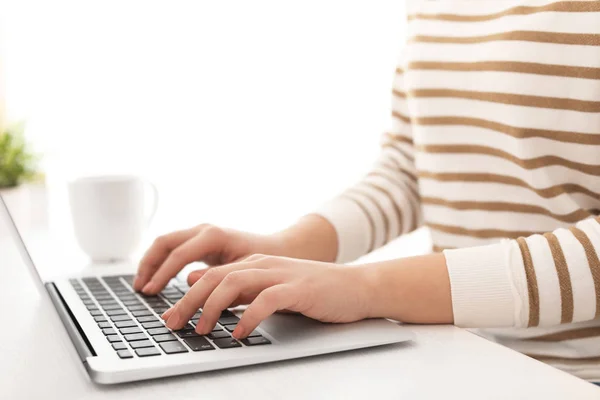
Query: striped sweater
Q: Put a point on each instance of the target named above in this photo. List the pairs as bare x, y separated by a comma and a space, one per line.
495, 147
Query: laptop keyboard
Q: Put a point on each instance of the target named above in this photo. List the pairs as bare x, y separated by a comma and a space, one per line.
131, 321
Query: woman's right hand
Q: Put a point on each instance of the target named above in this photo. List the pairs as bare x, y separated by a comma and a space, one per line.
312, 238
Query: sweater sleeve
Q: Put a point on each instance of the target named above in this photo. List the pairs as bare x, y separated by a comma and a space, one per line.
541, 280
385, 203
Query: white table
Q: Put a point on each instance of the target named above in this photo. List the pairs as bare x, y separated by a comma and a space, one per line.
37, 360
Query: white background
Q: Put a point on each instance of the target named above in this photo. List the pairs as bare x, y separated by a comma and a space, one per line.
244, 113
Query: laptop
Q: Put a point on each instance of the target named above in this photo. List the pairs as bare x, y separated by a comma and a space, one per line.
120, 337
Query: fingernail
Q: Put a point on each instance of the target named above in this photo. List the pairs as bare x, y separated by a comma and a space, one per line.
174, 321
150, 287
238, 332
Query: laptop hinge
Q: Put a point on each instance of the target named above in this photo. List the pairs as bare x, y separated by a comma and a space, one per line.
82, 344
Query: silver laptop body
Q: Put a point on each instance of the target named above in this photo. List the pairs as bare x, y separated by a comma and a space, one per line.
91, 307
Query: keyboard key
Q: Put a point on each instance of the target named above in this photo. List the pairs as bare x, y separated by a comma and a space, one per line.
117, 318
227, 313
125, 324
96, 313
132, 302
91, 307
187, 333
137, 308
141, 343
227, 343
119, 311
113, 338
230, 328
100, 319
150, 325
109, 331
218, 335
124, 354
147, 319
197, 315
103, 325
160, 310
217, 328
164, 338
158, 331
256, 341
142, 313
135, 336
157, 304
254, 334
125, 297
228, 320
151, 351
173, 347
198, 343
119, 346
112, 306
130, 330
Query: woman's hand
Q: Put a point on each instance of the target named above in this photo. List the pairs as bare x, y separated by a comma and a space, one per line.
322, 291
311, 238
415, 289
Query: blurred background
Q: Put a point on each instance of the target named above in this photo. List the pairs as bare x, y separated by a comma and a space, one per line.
246, 114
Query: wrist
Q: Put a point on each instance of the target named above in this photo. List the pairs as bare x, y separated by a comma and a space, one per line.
415, 289
311, 238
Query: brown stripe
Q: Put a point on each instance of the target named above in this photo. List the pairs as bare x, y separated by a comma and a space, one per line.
561, 6
398, 168
580, 39
439, 249
573, 334
415, 206
497, 206
400, 150
397, 137
398, 93
564, 278
593, 262
565, 360
478, 233
395, 182
555, 103
384, 217
532, 286
532, 163
546, 193
369, 218
513, 131
397, 210
509, 66
401, 117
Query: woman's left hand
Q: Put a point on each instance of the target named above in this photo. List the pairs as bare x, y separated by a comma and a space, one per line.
322, 291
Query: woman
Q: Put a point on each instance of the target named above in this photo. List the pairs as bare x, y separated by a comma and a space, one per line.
495, 146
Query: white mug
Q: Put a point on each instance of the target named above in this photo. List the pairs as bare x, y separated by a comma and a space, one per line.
109, 214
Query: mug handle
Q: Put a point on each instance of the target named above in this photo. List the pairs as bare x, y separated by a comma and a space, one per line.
154, 208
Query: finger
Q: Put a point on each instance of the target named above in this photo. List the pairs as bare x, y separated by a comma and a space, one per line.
230, 289
197, 295
206, 241
195, 275
269, 301
157, 253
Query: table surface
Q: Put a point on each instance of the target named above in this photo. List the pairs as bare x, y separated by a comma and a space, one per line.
37, 360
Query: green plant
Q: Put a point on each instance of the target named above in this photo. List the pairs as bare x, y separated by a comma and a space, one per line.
17, 162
